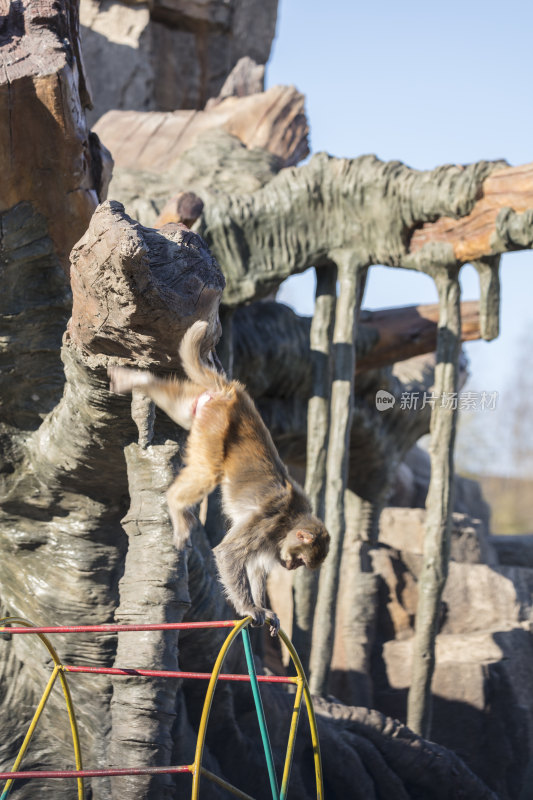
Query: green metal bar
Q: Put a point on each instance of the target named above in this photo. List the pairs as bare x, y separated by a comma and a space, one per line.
260, 714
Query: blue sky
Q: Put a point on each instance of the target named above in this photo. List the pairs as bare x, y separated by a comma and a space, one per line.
427, 84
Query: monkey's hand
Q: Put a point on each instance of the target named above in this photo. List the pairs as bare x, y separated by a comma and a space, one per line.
274, 623
260, 616
123, 380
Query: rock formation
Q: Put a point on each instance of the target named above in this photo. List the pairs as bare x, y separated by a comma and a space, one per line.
84, 533
163, 55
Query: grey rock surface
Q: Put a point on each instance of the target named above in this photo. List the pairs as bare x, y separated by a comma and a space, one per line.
169, 54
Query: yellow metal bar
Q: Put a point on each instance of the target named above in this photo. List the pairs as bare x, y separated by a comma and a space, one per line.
225, 785
31, 729
316, 744
73, 728
196, 766
310, 713
292, 739
21, 622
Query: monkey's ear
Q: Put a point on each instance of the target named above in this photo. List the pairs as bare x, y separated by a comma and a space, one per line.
305, 536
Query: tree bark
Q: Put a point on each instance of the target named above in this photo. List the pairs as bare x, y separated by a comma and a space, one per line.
66, 489
439, 503
357, 604
362, 203
42, 126
42, 133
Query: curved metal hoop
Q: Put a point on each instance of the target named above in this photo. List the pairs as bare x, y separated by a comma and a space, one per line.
58, 670
238, 626
302, 689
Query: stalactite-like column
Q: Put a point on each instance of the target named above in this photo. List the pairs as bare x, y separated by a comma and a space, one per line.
439, 501
357, 597
305, 583
351, 279
488, 270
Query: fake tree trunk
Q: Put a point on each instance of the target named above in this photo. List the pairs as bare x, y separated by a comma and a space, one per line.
340, 419
439, 503
305, 583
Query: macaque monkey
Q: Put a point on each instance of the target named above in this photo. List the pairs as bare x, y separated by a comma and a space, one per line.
270, 516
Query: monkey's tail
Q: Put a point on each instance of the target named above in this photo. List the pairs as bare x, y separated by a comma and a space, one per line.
196, 369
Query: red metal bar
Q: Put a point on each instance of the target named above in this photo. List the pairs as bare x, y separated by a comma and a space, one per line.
92, 773
163, 673
166, 626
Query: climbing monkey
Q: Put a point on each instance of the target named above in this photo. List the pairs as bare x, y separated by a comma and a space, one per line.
229, 445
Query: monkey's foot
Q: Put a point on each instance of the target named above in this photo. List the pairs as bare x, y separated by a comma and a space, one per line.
182, 523
123, 380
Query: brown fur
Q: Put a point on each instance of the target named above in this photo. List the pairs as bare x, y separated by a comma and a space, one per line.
229, 445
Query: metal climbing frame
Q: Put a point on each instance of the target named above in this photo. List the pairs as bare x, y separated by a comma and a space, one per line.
17, 625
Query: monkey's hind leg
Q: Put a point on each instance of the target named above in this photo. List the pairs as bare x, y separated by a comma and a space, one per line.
174, 397
191, 486
204, 465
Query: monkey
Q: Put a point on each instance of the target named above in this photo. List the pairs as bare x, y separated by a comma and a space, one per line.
270, 517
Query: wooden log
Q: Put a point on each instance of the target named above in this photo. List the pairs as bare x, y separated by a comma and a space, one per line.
410, 331
473, 236
273, 120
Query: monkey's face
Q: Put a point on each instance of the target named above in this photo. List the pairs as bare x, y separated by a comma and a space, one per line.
293, 561
306, 545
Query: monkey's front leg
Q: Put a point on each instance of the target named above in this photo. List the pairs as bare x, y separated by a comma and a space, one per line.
257, 580
247, 600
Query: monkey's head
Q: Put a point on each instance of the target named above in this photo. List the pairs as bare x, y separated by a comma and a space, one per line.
306, 544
